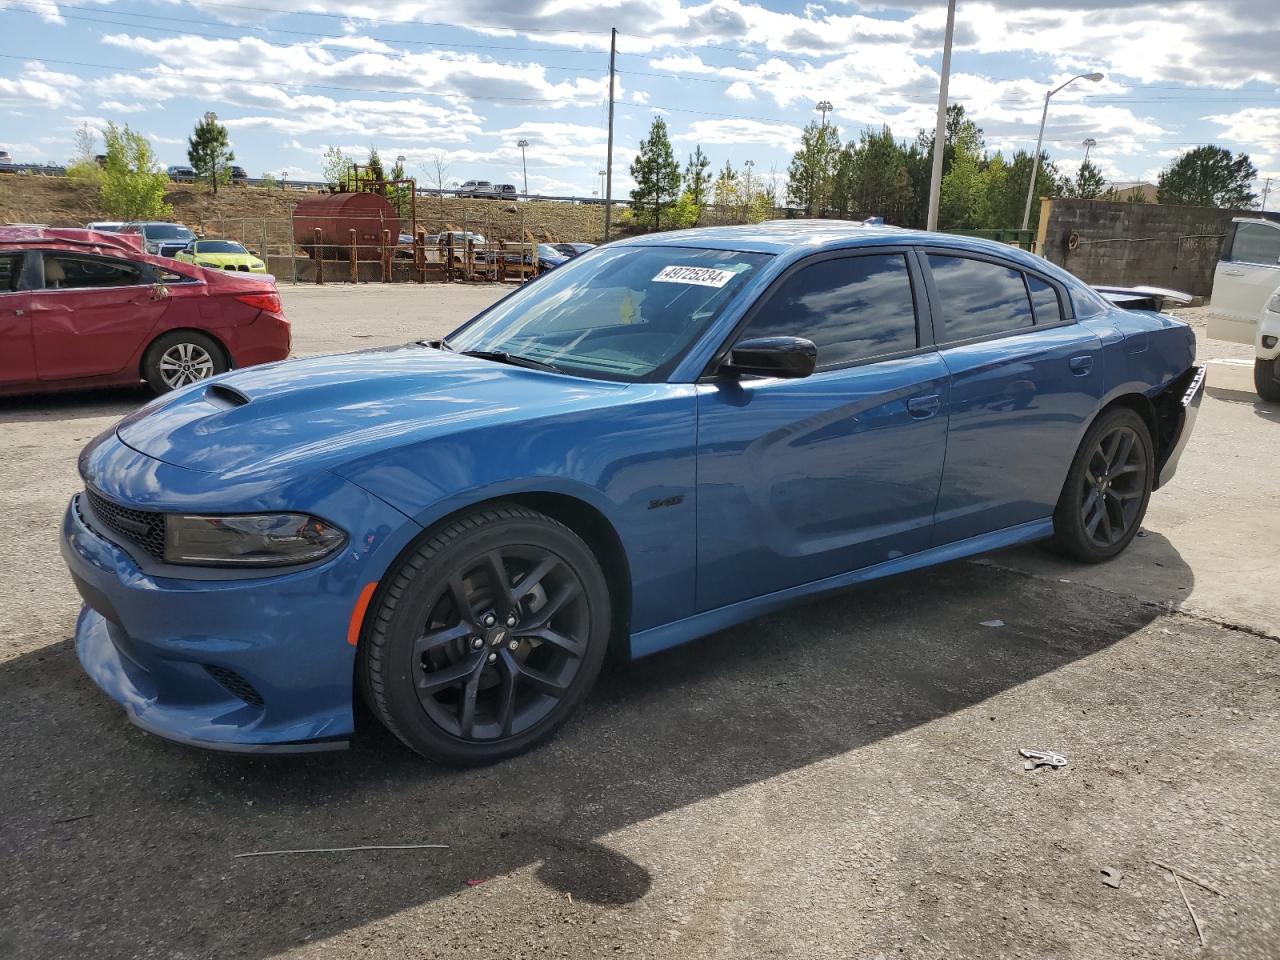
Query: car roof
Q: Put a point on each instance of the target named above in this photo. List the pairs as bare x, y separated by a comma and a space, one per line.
65, 238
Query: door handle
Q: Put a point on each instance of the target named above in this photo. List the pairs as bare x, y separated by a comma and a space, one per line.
922, 408
1080, 366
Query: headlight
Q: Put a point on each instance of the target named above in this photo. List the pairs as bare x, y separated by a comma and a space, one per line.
1274, 303
249, 540
206, 263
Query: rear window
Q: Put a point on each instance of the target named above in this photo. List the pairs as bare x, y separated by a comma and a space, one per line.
979, 298
1044, 299
167, 231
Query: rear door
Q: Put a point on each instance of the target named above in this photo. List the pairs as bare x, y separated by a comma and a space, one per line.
1246, 276
1025, 381
91, 314
17, 351
799, 480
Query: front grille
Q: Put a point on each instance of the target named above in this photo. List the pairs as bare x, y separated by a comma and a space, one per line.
235, 684
142, 527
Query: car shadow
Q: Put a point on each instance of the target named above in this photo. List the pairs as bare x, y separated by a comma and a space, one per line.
73, 404
121, 841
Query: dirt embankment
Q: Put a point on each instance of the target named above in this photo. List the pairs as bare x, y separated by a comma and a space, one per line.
253, 214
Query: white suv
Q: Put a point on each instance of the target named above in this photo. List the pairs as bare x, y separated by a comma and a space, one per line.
1245, 303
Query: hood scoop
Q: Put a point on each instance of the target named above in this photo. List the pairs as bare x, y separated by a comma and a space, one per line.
225, 396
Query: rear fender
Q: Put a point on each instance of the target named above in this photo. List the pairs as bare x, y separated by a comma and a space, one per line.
1176, 408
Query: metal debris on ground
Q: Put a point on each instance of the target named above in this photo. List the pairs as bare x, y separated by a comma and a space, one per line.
1042, 758
1112, 877
991, 623
397, 846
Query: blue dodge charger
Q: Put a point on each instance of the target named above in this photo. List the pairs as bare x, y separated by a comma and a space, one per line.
662, 438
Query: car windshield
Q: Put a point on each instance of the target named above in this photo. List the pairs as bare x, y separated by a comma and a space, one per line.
626, 313
219, 246
547, 250
167, 231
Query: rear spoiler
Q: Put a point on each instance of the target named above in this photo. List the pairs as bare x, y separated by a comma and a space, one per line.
1145, 298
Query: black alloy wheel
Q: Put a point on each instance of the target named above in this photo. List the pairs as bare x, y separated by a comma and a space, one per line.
1104, 499
487, 636
1115, 483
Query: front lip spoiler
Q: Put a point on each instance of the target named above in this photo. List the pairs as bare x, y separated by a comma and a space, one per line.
1189, 391
222, 746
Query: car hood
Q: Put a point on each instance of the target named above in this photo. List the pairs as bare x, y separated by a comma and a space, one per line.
319, 412
222, 259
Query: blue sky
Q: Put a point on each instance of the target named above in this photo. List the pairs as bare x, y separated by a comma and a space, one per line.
465, 81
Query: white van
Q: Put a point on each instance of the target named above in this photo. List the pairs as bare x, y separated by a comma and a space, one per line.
1245, 303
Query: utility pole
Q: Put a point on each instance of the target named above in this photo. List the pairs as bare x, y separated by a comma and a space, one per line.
1266, 190
608, 167
940, 128
522, 143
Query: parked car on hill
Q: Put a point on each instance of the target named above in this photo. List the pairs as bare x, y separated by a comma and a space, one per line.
105, 226
181, 174
507, 191
670, 436
478, 190
80, 308
161, 239
238, 176
1245, 302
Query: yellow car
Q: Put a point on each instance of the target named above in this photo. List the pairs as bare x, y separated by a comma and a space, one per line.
220, 255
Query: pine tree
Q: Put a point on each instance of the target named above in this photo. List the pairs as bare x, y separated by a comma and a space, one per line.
1209, 176
209, 152
373, 173
657, 176
1087, 184
696, 178
812, 171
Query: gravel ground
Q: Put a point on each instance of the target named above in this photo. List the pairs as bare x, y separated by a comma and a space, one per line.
838, 780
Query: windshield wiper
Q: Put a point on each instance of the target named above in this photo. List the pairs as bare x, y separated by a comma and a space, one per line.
514, 359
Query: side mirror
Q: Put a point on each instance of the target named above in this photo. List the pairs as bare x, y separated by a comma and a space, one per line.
785, 357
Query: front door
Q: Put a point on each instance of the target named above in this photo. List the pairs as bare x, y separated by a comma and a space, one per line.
17, 353
800, 480
1025, 382
91, 315
1244, 280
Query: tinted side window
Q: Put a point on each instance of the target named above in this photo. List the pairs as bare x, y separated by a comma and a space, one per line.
1044, 298
1256, 243
851, 308
979, 298
10, 271
72, 272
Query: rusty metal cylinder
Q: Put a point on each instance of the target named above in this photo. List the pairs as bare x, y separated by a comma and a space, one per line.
335, 216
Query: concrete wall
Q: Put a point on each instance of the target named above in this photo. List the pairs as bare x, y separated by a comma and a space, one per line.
1130, 244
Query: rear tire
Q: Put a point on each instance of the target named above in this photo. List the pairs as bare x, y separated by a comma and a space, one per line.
180, 358
486, 637
1107, 490
1266, 379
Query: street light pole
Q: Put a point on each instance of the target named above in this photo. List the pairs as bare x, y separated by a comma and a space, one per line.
940, 127
522, 143
824, 106
608, 166
1035, 161
600, 174
1088, 143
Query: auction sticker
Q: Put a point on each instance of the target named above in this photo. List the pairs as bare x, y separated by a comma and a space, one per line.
699, 276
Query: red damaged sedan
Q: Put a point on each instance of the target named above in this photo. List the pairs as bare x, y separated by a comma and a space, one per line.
80, 309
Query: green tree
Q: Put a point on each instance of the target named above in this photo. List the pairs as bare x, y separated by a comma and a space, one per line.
657, 176
132, 182
872, 177
209, 152
685, 212
335, 167
401, 195
696, 178
963, 194
373, 172
812, 171
1087, 184
1003, 209
727, 190
83, 168
994, 189
1208, 176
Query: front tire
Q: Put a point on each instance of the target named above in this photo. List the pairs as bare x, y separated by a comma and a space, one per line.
486, 637
1266, 379
1108, 487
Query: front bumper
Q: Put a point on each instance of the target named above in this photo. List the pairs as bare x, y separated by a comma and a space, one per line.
258, 664
1179, 407
1268, 329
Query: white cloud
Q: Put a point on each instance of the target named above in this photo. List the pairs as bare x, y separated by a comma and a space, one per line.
780, 135
739, 90
40, 86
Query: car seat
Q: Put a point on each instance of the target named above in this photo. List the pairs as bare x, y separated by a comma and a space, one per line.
54, 275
